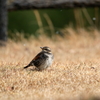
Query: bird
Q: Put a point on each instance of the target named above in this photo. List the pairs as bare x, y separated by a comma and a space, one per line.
42, 60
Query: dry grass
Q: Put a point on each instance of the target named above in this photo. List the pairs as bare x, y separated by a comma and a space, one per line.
75, 73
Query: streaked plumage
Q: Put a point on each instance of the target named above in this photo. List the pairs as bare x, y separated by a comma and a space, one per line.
42, 60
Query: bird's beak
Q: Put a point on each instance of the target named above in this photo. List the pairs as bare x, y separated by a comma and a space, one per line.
41, 47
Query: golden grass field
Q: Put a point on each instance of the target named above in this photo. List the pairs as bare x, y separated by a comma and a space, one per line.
74, 75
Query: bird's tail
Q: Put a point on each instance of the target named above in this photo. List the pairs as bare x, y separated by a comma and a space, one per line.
27, 66
30, 64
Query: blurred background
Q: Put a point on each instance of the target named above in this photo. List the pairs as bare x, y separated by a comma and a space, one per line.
51, 21
32, 18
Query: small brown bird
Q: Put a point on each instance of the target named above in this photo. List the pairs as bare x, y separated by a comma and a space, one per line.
42, 60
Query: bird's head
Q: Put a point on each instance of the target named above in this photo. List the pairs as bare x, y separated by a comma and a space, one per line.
46, 49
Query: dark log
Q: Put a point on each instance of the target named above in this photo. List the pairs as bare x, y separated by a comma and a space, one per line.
37, 4
3, 21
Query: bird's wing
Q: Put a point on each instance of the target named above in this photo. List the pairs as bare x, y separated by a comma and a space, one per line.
39, 59
35, 61
36, 58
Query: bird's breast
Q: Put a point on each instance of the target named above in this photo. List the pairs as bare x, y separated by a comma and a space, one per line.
49, 60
